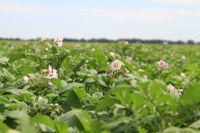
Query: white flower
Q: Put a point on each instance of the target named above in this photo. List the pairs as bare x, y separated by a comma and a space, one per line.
170, 88
116, 65
46, 49
145, 77
58, 41
113, 54
25, 79
50, 83
52, 73
162, 64
42, 101
183, 75
40, 98
37, 50
43, 39
183, 57
126, 42
165, 42
51, 104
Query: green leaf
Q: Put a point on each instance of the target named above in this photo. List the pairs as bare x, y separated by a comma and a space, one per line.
100, 58
57, 82
3, 128
106, 102
16, 114
4, 100
138, 101
70, 86
195, 125
101, 82
25, 96
61, 127
73, 99
17, 55
81, 92
4, 60
141, 130
77, 118
118, 125
45, 123
179, 130
89, 80
155, 89
6, 74
191, 95
120, 88
24, 70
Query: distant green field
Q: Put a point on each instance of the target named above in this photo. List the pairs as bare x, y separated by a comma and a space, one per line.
99, 88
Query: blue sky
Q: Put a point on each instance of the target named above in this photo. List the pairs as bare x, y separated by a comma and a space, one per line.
113, 19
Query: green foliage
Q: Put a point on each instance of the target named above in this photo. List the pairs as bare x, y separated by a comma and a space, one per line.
87, 96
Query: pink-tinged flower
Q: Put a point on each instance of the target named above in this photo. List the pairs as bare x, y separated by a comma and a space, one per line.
58, 41
52, 73
162, 64
116, 65
170, 88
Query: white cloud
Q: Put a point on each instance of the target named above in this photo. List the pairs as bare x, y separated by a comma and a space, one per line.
180, 2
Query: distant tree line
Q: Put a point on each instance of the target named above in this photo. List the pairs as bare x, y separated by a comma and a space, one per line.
104, 40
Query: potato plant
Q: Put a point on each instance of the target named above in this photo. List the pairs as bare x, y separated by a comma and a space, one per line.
54, 87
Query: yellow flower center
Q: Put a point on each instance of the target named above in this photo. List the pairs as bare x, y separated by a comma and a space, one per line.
116, 65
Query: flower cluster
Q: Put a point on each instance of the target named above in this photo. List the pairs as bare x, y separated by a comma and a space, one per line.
55, 107
52, 73
162, 64
171, 89
58, 41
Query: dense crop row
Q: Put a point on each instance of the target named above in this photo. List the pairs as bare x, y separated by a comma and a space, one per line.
49, 87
